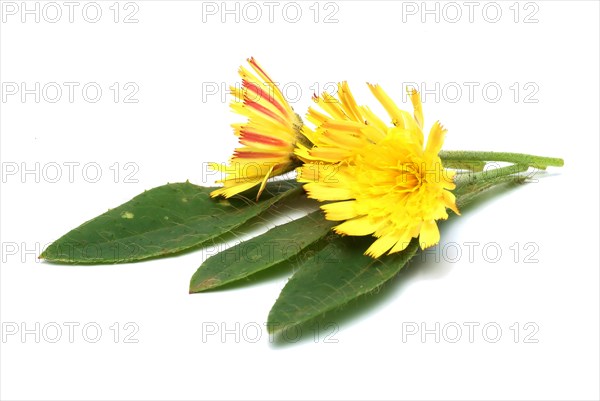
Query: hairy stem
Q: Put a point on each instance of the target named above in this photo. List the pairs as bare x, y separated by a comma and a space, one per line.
460, 156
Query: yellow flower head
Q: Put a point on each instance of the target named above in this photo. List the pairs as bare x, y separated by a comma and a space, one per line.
268, 137
386, 182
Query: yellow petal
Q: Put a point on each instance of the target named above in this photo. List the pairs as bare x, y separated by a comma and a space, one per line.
302, 152
349, 104
330, 154
375, 122
234, 190
400, 118
327, 193
435, 141
450, 201
393, 111
411, 140
316, 117
381, 246
344, 139
417, 106
430, 234
358, 226
340, 210
401, 244
264, 183
332, 106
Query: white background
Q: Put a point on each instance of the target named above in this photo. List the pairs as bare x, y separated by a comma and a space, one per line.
174, 54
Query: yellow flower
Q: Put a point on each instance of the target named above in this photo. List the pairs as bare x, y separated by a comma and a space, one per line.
386, 182
268, 137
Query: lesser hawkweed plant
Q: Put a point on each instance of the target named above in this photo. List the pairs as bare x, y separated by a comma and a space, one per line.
382, 185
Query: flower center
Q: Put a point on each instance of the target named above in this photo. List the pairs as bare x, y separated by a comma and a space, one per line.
409, 178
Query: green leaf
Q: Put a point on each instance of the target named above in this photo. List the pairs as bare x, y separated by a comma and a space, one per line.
334, 275
282, 243
162, 221
469, 186
339, 272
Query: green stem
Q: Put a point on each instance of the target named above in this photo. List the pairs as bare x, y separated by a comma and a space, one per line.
496, 173
468, 185
517, 158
